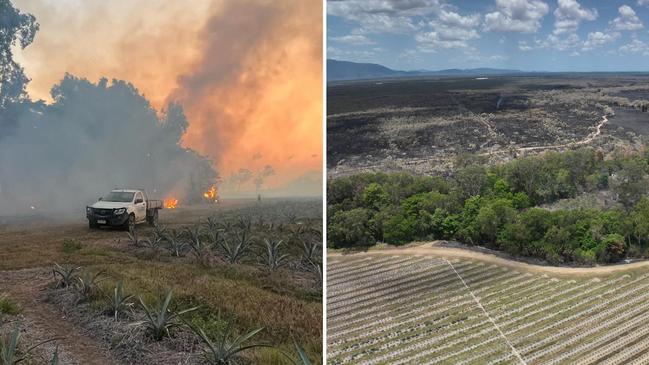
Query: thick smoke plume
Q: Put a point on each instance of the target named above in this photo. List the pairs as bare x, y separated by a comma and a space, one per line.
254, 97
248, 73
93, 138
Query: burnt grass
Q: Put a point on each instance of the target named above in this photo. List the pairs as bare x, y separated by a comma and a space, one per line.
421, 124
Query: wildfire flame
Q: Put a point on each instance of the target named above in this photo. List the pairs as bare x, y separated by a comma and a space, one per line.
211, 194
171, 203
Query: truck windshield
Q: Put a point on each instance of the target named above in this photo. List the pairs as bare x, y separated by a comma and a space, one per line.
119, 196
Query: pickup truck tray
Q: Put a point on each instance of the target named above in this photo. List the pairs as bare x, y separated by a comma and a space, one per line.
154, 204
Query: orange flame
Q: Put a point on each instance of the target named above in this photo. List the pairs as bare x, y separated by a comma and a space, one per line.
211, 194
171, 203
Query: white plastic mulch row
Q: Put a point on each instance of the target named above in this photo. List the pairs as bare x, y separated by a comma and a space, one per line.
408, 288
426, 348
365, 265
451, 333
579, 305
417, 353
380, 281
354, 281
411, 312
414, 310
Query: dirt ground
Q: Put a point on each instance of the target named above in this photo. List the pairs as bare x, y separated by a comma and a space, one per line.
435, 249
44, 321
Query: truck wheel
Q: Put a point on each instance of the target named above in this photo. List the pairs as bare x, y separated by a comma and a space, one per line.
130, 222
153, 219
92, 224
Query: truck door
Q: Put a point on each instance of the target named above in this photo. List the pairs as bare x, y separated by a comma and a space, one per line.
140, 207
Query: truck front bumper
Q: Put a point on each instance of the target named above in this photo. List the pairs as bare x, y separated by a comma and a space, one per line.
109, 219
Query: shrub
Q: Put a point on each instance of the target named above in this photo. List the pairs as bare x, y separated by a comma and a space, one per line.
235, 247
9, 344
87, 284
71, 246
118, 302
399, 229
611, 249
350, 228
226, 350
272, 256
65, 275
175, 244
374, 196
160, 319
8, 306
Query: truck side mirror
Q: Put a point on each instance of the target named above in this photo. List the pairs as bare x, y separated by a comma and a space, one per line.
100, 198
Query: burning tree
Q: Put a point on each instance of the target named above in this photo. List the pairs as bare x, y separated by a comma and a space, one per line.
201, 182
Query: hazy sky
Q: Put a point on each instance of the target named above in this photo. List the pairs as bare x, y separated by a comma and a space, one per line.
248, 72
534, 35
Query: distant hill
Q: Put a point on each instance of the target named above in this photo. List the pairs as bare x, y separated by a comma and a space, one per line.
345, 70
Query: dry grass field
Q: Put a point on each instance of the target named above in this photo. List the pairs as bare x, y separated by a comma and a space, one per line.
244, 293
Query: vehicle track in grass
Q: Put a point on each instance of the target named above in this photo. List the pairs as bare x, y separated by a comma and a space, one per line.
41, 320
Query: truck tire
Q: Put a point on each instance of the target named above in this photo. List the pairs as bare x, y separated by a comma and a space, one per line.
130, 222
153, 219
92, 224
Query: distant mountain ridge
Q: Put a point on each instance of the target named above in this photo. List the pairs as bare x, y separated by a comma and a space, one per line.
345, 70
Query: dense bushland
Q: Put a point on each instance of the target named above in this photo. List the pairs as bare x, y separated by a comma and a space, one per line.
500, 207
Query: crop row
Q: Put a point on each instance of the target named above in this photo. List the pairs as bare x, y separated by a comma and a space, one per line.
403, 310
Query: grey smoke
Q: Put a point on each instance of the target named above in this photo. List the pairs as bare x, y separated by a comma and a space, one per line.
262, 175
92, 138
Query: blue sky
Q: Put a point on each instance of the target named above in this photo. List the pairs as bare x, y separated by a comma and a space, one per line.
529, 35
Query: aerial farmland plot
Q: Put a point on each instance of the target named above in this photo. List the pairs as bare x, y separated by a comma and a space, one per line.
426, 309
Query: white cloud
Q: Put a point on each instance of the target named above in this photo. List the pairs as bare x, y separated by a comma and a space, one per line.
345, 8
516, 16
628, 20
636, 46
431, 41
643, 2
449, 30
352, 55
569, 14
383, 16
523, 46
568, 43
455, 20
355, 39
598, 39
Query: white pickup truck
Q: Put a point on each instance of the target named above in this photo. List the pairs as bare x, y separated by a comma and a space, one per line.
125, 208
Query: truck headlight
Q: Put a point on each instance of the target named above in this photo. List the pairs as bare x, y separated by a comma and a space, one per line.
119, 211
88, 210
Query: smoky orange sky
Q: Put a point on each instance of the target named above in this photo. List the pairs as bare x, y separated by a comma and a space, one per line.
247, 72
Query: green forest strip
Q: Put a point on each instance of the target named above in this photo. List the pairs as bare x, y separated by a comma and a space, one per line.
500, 207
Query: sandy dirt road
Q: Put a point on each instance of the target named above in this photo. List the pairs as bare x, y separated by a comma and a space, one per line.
434, 249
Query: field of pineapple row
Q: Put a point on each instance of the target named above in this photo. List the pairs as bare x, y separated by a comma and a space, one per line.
406, 309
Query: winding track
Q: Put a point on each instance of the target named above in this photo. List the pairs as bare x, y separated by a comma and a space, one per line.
435, 250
